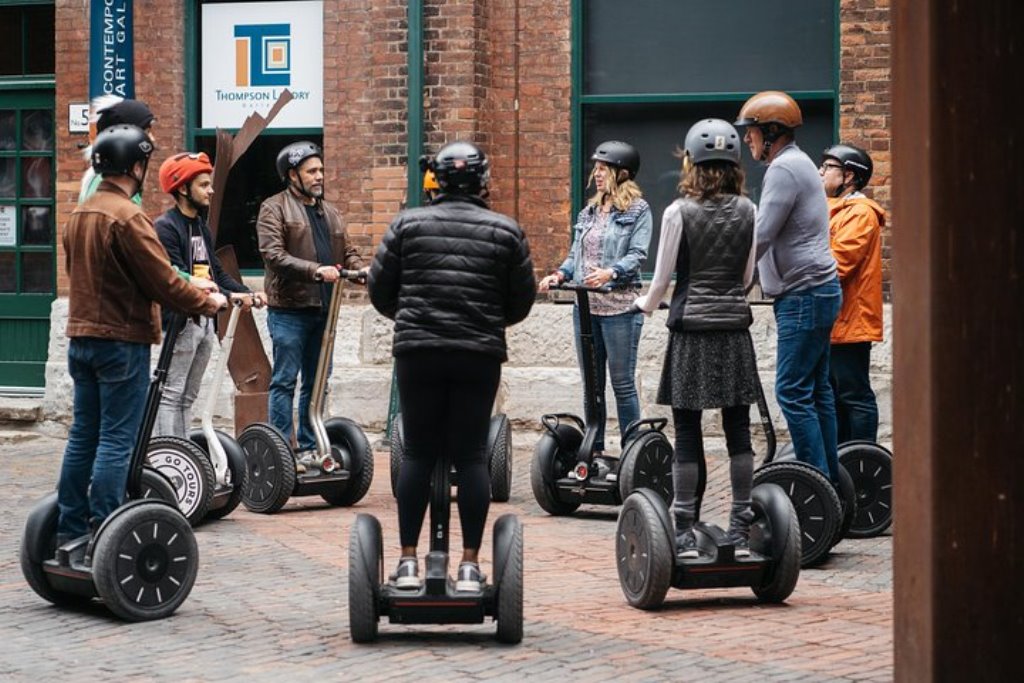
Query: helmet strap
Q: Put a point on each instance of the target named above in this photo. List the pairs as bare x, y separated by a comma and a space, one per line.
141, 178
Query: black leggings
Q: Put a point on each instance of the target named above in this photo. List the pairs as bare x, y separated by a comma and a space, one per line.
446, 399
690, 440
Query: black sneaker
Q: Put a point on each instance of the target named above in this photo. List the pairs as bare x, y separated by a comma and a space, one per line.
686, 545
407, 575
740, 544
469, 579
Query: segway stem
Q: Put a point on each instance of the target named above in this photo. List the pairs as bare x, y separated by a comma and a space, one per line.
213, 446
765, 416
152, 405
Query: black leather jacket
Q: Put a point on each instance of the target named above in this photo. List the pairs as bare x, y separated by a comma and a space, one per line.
453, 276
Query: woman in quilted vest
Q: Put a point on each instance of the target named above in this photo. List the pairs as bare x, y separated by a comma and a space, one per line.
707, 242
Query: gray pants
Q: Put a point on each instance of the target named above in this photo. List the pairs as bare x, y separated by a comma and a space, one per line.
188, 364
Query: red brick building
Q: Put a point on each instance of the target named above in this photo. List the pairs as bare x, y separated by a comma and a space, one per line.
535, 82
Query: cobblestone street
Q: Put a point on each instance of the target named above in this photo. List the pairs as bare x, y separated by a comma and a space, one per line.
270, 604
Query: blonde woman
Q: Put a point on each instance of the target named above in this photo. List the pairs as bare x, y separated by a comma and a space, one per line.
609, 245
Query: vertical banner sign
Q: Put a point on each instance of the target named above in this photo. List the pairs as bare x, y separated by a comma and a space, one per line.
111, 63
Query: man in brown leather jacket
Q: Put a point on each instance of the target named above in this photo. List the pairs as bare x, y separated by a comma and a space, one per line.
118, 271
303, 241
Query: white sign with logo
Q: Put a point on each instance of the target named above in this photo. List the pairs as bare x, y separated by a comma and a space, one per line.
252, 51
8, 226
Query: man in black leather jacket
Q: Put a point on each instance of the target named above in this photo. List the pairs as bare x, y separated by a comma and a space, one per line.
453, 276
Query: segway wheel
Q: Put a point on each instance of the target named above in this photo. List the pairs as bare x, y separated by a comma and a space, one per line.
499, 461
38, 544
848, 502
647, 463
365, 577
236, 466
552, 460
271, 469
189, 470
870, 468
397, 452
348, 438
775, 534
156, 486
644, 550
816, 502
145, 561
508, 579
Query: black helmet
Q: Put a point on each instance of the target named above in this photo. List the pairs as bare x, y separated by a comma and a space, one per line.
853, 159
461, 167
118, 148
620, 155
294, 154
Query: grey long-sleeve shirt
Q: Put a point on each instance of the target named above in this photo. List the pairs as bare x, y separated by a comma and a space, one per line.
793, 248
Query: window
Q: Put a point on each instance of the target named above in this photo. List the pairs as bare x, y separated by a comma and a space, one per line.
22, 26
645, 71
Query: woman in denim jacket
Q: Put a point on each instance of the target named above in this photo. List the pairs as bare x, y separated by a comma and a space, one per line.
609, 244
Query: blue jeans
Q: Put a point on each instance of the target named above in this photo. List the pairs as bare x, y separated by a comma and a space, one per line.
616, 339
297, 336
856, 405
804, 320
111, 378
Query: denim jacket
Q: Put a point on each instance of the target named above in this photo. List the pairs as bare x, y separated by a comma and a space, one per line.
625, 244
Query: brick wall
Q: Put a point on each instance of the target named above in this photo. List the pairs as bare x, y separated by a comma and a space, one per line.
865, 100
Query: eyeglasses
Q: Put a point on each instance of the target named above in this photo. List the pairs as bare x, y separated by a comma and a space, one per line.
825, 166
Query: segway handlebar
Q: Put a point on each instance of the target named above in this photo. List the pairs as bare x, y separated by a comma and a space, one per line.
576, 287
346, 274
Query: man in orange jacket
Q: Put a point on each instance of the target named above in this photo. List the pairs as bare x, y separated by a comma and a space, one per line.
855, 225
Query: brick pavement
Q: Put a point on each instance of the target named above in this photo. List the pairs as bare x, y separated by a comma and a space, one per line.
271, 602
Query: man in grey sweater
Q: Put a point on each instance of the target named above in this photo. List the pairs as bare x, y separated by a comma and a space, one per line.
797, 269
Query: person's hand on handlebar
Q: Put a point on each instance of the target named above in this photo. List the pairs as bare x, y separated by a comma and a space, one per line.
556, 278
598, 277
219, 299
327, 274
247, 299
204, 284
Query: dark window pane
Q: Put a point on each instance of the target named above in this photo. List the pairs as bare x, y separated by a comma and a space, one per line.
686, 47
7, 140
10, 41
7, 283
39, 29
7, 186
36, 177
36, 225
37, 129
37, 272
657, 129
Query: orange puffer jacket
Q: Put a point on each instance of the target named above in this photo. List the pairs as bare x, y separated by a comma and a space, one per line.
855, 225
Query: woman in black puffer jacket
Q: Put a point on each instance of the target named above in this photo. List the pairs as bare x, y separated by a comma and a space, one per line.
453, 276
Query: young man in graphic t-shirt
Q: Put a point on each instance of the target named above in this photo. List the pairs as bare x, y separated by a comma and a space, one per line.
189, 244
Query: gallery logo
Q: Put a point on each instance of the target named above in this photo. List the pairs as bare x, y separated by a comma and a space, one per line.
263, 54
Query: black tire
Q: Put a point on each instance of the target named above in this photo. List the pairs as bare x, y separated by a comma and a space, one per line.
38, 544
550, 463
644, 550
775, 534
848, 502
145, 561
236, 466
647, 463
499, 460
508, 582
156, 486
397, 452
365, 576
270, 466
870, 468
189, 469
816, 501
347, 437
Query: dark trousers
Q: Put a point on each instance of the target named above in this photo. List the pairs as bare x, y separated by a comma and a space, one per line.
856, 406
690, 442
446, 399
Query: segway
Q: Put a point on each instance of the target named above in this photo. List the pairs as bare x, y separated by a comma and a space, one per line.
208, 469
825, 513
143, 559
870, 467
499, 456
564, 472
341, 467
371, 598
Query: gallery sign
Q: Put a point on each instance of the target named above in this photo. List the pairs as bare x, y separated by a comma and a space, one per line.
111, 61
252, 51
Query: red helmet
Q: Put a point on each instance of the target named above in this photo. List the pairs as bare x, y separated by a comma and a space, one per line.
181, 168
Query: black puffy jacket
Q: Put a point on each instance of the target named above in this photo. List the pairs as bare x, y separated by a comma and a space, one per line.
453, 276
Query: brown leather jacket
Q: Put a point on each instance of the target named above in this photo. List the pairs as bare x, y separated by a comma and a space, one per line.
289, 254
118, 271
